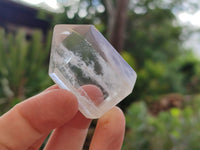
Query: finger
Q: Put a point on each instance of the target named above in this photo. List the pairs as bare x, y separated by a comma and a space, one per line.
83, 121
38, 143
30, 120
72, 135
109, 132
53, 87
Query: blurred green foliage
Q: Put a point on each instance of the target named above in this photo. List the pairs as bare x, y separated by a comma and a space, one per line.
177, 129
153, 36
153, 47
156, 78
23, 66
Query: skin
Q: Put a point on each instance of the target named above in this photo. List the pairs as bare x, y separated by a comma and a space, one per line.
26, 126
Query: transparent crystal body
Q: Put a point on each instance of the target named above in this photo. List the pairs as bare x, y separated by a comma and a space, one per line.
80, 56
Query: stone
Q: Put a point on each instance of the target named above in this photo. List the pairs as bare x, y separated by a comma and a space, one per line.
85, 63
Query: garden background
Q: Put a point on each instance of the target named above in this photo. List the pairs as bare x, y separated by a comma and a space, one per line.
163, 110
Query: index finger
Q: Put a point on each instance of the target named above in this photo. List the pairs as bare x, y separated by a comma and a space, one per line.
30, 120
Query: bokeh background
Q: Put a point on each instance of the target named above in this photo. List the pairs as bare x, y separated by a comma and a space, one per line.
160, 39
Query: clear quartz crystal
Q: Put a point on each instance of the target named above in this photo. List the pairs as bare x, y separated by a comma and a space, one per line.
81, 56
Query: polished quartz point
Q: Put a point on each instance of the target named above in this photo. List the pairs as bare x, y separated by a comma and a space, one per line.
85, 63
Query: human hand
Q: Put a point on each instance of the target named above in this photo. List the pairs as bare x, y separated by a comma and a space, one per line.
26, 126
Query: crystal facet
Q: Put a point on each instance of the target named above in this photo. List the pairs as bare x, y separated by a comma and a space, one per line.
81, 56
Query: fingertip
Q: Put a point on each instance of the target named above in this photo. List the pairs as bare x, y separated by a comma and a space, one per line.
63, 96
55, 86
118, 113
112, 121
94, 93
109, 132
30, 120
50, 109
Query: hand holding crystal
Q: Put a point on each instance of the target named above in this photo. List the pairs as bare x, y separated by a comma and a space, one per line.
26, 126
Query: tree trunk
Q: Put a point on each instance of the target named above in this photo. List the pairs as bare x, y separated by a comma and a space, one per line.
117, 22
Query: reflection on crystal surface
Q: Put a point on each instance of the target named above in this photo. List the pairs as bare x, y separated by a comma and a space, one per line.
81, 56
